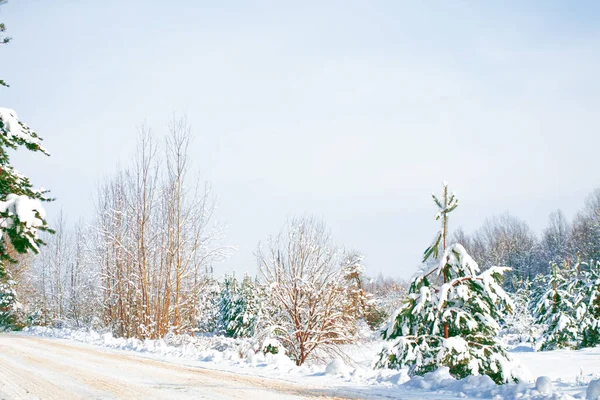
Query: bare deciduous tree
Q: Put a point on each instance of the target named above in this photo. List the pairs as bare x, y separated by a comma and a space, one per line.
310, 308
504, 240
157, 240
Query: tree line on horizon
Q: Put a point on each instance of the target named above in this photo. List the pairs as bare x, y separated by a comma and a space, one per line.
505, 240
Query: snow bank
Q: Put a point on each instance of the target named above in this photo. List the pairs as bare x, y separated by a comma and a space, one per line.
204, 348
543, 384
593, 390
442, 383
337, 367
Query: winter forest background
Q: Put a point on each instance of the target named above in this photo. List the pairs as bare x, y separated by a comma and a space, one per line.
155, 208
144, 267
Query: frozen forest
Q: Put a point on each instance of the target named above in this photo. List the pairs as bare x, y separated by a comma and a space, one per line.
144, 269
144, 288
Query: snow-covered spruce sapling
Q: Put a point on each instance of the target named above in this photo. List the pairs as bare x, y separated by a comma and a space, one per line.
446, 206
227, 297
555, 310
537, 289
451, 315
208, 317
9, 306
250, 306
240, 307
21, 211
568, 306
587, 303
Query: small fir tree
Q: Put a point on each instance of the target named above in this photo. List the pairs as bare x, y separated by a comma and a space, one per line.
353, 273
9, 306
587, 303
451, 315
239, 307
537, 289
555, 310
247, 309
226, 305
208, 318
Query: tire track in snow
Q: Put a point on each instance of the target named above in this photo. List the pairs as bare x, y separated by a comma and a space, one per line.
65, 372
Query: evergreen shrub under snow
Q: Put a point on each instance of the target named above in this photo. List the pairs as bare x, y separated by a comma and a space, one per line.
567, 306
470, 303
450, 318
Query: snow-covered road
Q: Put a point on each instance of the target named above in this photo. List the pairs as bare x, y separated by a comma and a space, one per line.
39, 368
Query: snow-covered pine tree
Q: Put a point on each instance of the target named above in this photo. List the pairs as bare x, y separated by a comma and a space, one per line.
21, 211
361, 301
9, 306
555, 310
537, 289
227, 299
587, 302
451, 315
353, 271
208, 318
246, 310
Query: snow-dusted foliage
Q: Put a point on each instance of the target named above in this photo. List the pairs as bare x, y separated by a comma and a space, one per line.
587, 301
240, 307
208, 318
227, 296
555, 310
470, 304
247, 308
504, 240
9, 306
156, 240
519, 326
386, 295
568, 306
450, 317
64, 279
374, 300
585, 229
143, 266
311, 306
353, 274
21, 211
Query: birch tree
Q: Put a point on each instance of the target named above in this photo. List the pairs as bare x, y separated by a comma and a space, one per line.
157, 239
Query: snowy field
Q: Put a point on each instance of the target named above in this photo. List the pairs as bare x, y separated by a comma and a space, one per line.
569, 372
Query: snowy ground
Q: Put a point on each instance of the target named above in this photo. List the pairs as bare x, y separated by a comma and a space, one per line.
106, 367
40, 368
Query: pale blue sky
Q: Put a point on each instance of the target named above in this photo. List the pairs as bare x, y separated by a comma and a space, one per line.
354, 111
